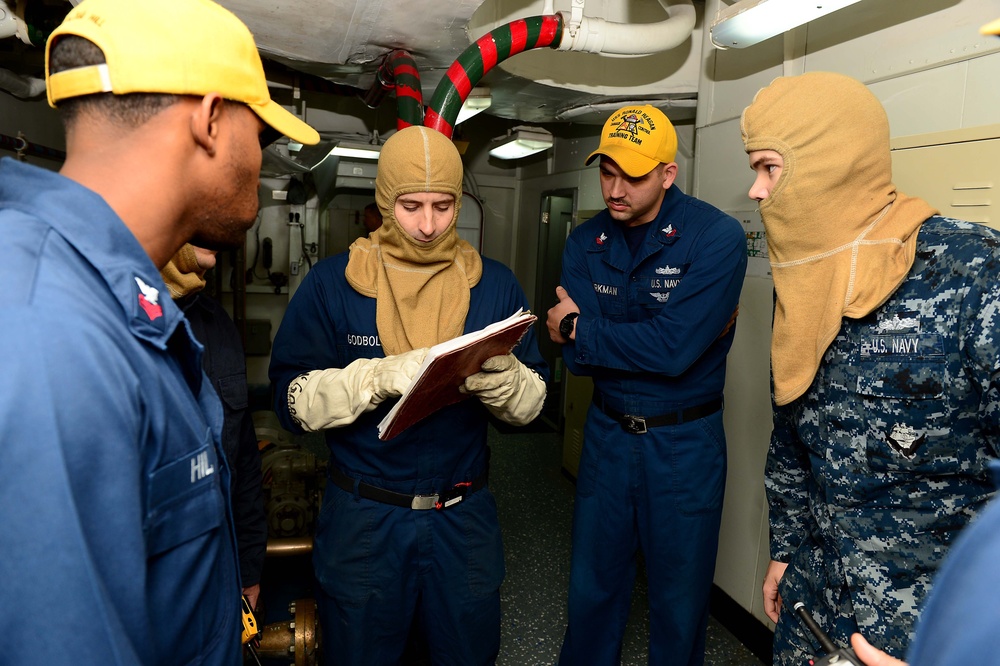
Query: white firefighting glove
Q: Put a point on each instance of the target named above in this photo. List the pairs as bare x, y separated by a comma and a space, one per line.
513, 393
337, 396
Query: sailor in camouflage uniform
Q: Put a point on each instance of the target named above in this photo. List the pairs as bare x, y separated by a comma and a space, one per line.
885, 368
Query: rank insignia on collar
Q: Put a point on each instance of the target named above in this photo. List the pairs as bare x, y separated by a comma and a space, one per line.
600, 239
149, 300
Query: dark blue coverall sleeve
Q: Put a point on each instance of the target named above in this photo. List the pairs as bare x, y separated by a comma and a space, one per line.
670, 342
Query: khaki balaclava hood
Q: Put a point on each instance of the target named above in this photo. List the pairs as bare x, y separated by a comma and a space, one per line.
841, 238
422, 289
182, 274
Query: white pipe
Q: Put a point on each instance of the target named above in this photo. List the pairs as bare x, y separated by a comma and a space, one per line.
24, 87
8, 22
596, 35
11, 24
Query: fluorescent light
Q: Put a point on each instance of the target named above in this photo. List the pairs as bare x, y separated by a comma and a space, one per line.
521, 142
479, 100
748, 22
362, 151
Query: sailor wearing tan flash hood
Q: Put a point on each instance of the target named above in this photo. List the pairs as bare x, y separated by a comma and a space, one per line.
886, 367
355, 333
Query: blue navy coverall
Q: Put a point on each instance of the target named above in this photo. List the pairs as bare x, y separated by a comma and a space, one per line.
225, 365
117, 540
648, 335
378, 565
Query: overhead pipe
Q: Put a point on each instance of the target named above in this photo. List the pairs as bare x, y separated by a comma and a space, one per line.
560, 31
597, 35
482, 56
11, 24
24, 87
312, 83
22, 147
399, 72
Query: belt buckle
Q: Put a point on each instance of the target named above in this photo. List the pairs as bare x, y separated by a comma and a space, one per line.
423, 502
634, 424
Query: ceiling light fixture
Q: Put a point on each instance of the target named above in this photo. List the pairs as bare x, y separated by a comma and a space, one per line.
479, 100
748, 22
521, 142
361, 151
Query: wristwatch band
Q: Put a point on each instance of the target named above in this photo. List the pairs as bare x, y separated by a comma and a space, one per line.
566, 325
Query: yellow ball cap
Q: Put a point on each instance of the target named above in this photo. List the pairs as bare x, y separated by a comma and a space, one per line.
177, 47
637, 138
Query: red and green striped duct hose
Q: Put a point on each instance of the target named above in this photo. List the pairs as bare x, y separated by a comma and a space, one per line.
399, 71
482, 56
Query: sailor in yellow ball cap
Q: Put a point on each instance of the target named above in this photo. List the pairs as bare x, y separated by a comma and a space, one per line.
114, 491
647, 292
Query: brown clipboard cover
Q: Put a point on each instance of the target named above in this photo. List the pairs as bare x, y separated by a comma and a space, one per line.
445, 368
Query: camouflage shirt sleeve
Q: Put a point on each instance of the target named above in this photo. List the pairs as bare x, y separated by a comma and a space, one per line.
787, 479
981, 337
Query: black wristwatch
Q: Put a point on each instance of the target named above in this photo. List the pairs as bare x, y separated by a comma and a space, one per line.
566, 325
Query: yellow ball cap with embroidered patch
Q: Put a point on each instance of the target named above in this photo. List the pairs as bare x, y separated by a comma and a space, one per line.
637, 138
991, 28
177, 47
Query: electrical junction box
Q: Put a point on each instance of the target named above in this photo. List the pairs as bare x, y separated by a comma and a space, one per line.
258, 342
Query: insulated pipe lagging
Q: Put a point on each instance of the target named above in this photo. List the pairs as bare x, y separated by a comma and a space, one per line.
399, 71
597, 35
482, 56
25, 87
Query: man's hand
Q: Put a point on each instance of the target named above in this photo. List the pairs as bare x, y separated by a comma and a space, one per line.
511, 392
556, 314
498, 380
731, 322
252, 593
872, 656
335, 397
392, 375
772, 600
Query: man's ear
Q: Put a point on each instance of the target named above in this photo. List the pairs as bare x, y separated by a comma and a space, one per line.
669, 175
205, 121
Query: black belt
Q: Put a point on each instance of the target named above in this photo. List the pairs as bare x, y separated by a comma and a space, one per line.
438, 501
638, 425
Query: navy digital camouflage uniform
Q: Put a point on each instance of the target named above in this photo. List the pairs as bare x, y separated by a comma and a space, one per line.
873, 471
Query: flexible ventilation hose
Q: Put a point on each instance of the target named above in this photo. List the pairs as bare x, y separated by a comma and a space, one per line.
399, 71
483, 55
